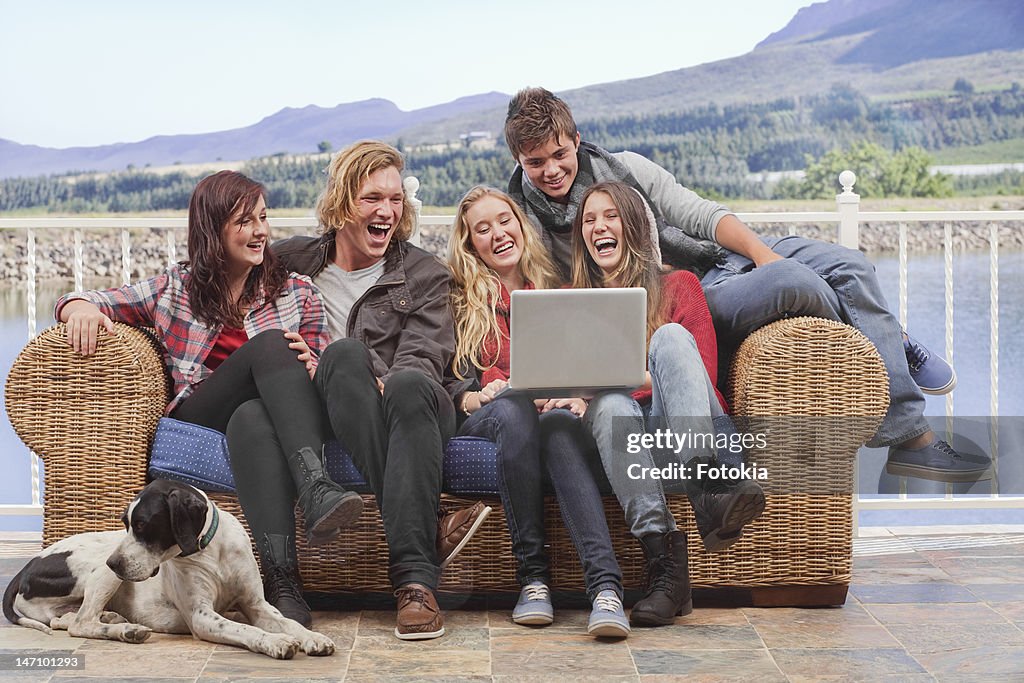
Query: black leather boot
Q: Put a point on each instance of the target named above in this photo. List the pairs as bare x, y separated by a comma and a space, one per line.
282, 585
326, 506
667, 586
722, 507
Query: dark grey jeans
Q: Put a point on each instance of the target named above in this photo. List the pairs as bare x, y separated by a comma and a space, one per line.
529, 445
397, 441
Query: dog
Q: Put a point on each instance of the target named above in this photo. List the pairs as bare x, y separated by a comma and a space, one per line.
182, 564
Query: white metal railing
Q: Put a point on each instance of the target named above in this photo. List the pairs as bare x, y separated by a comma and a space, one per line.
847, 218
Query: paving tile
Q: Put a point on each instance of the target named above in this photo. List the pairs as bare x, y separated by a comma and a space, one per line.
993, 593
567, 678
424, 663
22, 638
889, 575
895, 560
977, 663
696, 637
613, 659
986, 570
937, 637
157, 643
134, 662
851, 614
715, 665
374, 678
912, 592
936, 613
28, 677
817, 635
530, 641
464, 638
242, 664
846, 664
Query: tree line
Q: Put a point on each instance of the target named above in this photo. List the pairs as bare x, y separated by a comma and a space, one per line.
710, 149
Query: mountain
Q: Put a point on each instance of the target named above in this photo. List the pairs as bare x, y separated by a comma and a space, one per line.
898, 32
289, 130
893, 49
883, 48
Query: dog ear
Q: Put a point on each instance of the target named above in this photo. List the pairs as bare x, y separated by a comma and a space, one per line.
187, 516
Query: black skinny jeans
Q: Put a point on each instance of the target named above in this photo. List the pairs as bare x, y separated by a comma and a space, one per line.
263, 386
397, 441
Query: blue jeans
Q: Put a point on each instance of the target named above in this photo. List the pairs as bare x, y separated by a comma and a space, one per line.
682, 397
528, 445
828, 281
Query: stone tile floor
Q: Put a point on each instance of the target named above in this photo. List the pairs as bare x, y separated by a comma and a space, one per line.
946, 607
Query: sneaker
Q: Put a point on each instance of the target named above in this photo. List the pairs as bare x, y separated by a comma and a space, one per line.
534, 606
419, 617
608, 619
456, 528
932, 373
938, 462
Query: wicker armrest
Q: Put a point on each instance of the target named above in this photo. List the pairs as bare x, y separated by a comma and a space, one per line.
90, 419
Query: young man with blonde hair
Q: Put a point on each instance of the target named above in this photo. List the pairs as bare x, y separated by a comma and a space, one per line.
386, 378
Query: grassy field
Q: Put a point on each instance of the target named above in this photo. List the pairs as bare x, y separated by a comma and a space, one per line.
1003, 152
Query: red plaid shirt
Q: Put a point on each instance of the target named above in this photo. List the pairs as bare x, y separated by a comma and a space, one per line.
162, 303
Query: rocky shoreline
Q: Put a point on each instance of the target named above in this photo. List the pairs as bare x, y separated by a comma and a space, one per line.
101, 250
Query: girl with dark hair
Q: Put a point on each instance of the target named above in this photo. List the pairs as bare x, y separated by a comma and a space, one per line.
242, 337
612, 246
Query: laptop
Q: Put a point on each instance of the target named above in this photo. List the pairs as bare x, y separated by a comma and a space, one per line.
576, 342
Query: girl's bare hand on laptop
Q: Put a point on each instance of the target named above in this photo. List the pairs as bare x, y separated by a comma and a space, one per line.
577, 406
486, 395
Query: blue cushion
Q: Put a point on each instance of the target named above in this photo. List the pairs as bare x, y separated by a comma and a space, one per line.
199, 456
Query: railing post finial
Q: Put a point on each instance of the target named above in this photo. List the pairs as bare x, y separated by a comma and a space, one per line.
411, 185
849, 208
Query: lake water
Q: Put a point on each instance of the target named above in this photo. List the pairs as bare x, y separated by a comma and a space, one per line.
926, 321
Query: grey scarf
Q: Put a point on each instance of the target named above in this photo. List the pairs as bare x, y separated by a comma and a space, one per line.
555, 219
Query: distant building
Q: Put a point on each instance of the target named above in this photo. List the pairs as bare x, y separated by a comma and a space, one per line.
477, 139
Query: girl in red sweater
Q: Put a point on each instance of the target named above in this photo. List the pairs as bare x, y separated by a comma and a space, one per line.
612, 247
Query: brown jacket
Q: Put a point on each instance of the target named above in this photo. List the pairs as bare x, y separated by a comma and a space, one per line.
405, 318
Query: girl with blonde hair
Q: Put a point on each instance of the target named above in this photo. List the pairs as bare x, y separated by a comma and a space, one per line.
493, 250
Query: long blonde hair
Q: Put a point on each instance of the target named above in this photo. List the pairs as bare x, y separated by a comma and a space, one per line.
476, 289
639, 266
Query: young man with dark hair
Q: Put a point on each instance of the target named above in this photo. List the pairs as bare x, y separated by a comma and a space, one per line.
748, 281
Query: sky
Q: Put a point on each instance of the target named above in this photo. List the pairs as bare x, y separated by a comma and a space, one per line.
92, 72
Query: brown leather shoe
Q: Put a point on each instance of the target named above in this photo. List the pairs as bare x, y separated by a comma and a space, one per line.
418, 615
456, 528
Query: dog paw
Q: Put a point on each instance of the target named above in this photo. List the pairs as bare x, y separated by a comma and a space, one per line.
278, 646
63, 622
317, 644
112, 618
135, 633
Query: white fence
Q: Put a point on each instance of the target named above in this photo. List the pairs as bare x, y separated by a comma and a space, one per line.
847, 218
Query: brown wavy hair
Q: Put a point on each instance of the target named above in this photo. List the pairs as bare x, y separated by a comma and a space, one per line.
639, 266
536, 115
216, 200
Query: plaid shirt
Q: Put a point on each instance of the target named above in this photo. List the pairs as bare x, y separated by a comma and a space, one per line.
162, 303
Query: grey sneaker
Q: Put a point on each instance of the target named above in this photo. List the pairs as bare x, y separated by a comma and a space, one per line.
534, 606
608, 619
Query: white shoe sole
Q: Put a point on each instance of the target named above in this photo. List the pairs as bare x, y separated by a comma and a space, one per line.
940, 391
419, 636
534, 619
608, 629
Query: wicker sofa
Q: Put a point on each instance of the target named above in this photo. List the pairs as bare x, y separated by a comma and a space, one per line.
92, 421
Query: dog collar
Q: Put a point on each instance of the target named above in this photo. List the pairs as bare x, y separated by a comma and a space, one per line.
211, 524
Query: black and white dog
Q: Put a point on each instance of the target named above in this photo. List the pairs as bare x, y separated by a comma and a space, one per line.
181, 565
